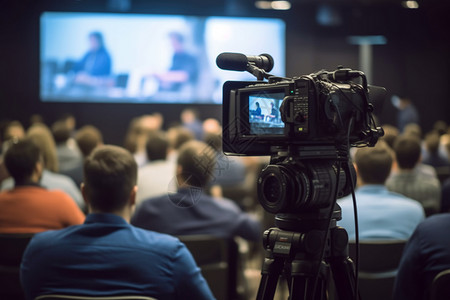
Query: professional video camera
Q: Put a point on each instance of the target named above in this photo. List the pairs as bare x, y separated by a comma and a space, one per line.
307, 125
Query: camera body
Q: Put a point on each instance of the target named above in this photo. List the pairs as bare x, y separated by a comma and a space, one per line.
310, 111
307, 125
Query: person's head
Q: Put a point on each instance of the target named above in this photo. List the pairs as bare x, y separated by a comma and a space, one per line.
157, 146
69, 120
189, 115
373, 164
407, 151
214, 140
61, 132
13, 130
404, 102
432, 140
413, 129
110, 176
178, 136
211, 125
177, 40
390, 134
88, 138
41, 135
440, 127
195, 164
23, 161
257, 104
95, 40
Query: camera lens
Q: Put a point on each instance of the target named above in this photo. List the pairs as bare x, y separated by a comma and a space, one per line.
272, 188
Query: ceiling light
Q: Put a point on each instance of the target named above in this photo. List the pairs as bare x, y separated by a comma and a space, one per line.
276, 5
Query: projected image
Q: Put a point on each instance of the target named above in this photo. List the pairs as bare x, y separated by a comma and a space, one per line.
264, 113
104, 57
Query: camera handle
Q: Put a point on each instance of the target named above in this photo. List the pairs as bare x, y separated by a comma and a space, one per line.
292, 254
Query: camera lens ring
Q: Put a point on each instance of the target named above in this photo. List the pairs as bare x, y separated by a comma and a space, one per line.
272, 188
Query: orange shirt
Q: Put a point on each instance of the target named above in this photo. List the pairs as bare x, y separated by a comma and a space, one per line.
32, 209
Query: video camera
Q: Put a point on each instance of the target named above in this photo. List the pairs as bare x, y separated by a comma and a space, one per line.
310, 117
307, 125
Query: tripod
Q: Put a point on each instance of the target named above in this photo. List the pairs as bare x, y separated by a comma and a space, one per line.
297, 255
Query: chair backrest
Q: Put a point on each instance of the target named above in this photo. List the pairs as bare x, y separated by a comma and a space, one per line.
73, 297
378, 264
12, 247
440, 287
217, 259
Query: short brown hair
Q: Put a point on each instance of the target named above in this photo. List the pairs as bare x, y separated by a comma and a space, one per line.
374, 163
110, 173
87, 138
407, 151
157, 146
197, 161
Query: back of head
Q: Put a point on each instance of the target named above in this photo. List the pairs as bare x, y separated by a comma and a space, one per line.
432, 140
374, 163
413, 129
157, 146
110, 174
390, 134
407, 151
61, 132
87, 138
40, 134
214, 140
197, 161
178, 136
21, 159
13, 129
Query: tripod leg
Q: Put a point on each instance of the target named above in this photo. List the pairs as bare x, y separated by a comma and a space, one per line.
270, 274
303, 284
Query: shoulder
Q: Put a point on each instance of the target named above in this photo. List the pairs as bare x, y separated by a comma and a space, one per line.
158, 242
435, 222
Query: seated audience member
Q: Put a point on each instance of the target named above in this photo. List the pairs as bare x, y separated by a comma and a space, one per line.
390, 134
229, 170
425, 255
190, 120
155, 177
193, 210
28, 207
136, 137
10, 130
382, 214
69, 156
411, 183
86, 139
177, 136
432, 156
42, 137
107, 256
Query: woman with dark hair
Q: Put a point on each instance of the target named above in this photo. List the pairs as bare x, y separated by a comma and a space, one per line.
95, 64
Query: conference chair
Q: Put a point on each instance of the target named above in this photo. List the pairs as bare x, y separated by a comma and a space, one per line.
12, 247
440, 287
378, 265
218, 261
73, 297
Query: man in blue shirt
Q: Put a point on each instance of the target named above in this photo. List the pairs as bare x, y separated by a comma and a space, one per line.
107, 256
382, 214
189, 210
425, 255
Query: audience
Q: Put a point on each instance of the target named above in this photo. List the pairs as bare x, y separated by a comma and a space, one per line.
410, 182
425, 255
28, 207
158, 175
42, 137
193, 210
382, 214
107, 256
